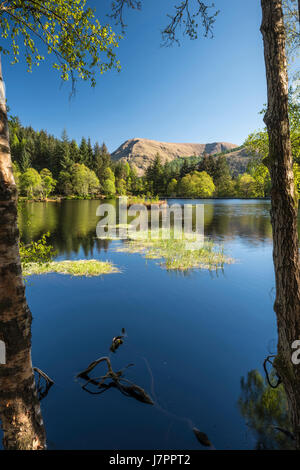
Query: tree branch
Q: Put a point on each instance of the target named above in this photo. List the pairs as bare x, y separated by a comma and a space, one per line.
118, 9
185, 16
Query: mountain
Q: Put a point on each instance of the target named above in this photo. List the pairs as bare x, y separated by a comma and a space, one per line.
142, 152
238, 160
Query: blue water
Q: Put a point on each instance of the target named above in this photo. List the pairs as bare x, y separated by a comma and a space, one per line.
199, 333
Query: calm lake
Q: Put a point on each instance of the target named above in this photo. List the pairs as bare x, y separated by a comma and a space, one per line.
191, 337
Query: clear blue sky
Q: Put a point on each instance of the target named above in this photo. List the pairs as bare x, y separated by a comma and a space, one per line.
203, 91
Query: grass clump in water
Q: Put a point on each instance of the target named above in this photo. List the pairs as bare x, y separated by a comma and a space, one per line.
146, 201
86, 268
175, 254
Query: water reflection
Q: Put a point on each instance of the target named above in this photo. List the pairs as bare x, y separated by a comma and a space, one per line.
72, 224
97, 385
117, 380
186, 316
265, 411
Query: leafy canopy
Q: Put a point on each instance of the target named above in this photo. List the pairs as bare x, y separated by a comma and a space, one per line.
67, 29
258, 142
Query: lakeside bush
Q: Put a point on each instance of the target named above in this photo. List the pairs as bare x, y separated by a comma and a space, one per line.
37, 258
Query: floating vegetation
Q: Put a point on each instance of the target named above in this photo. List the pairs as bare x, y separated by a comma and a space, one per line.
176, 255
146, 201
118, 381
86, 268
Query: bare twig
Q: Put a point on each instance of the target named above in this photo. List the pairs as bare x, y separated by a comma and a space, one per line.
118, 10
185, 16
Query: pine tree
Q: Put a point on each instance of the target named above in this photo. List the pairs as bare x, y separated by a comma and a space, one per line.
84, 151
90, 155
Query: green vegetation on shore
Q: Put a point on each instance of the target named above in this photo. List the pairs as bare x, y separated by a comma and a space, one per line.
45, 165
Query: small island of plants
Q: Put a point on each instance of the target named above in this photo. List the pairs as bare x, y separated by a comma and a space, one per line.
37, 258
175, 253
87, 268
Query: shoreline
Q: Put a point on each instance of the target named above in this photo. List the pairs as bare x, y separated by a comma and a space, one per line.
221, 198
148, 203
130, 201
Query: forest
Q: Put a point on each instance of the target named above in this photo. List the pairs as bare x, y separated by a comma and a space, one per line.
45, 165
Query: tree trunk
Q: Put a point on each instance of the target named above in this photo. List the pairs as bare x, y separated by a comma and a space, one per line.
20, 412
284, 209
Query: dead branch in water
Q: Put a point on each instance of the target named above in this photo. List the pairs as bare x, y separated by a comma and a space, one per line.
43, 389
130, 390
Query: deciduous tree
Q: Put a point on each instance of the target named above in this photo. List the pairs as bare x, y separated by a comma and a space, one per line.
284, 204
81, 47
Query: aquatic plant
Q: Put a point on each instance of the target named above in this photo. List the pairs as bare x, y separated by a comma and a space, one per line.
175, 253
73, 268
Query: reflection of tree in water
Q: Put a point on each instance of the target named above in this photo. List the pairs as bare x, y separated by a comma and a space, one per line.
232, 219
245, 221
35, 219
188, 273
72, 225
265, 411
74, 242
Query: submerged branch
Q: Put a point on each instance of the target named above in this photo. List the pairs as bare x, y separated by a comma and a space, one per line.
131, 390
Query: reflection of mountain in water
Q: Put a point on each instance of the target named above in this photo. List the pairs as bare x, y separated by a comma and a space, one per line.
72, 224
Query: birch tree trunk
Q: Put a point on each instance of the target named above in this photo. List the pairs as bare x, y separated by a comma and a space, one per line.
20, 412
284, 205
